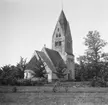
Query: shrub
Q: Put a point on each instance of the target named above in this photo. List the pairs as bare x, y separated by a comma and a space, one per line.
98, 82
24, 82
14, 89
54, 89
28, 82
56, 86
66, 89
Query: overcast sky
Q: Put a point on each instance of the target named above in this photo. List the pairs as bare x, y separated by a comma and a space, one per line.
26, 25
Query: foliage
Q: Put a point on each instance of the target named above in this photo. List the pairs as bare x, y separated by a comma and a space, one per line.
9, 75
60, 73
14, 89
58, 85
81, 72
98, 82
77, 72
21, 66
40, 70
28, 82
94, 46
94, 62
61, 70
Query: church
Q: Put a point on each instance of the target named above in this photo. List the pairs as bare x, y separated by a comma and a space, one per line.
62, 50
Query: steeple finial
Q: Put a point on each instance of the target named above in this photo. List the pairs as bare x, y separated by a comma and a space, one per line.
62, 4
44, 45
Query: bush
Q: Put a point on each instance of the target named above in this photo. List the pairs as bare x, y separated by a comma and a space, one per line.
28, 82
98, 82
24, 82
21, 82
14, 89
8, 81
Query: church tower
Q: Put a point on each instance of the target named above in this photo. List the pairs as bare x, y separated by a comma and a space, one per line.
62, 42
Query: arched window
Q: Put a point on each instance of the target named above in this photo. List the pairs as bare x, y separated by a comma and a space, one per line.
59, 43
56, 43
56, 35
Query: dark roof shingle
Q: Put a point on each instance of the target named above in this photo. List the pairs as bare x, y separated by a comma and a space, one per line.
63, 21
32, 64
54, 56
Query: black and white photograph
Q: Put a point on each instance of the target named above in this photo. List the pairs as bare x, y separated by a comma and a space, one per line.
53, 52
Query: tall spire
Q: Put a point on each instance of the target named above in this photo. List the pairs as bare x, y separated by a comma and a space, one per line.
63, 21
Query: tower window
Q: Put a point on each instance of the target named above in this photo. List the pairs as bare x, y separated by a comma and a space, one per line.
56, 35
59, 43
56, 43
59, 35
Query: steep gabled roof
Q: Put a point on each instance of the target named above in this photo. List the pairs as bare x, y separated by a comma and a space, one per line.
46, 60
54, 56
32, 64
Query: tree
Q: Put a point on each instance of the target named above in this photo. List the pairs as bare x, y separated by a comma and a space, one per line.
21, 66
77, 72
82, 71
92, 63
40, 70
9, 74
94, 45
0, 71
61, 70
104, 57
5, 71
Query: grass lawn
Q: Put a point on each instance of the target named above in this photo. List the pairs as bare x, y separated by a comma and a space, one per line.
75, 96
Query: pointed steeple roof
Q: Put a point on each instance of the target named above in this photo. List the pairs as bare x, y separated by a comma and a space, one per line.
63, 21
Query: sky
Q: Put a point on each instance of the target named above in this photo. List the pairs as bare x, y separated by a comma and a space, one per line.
26, 25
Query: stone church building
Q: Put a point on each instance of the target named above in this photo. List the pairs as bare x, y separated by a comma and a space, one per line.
61, 51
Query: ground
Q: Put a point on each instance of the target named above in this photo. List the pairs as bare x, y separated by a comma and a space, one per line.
54, 99
33, 95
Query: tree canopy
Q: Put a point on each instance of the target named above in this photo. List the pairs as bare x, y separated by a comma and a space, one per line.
61, 70
94, 45
93, 61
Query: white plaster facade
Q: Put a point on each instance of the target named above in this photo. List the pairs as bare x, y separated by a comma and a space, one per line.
28, 74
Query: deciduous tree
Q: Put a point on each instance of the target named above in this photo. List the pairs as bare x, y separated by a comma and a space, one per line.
21, 66
91, 62
94, 45
40, 70
61, 70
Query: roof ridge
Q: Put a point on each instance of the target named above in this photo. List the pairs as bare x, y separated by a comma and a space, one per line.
51, 50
